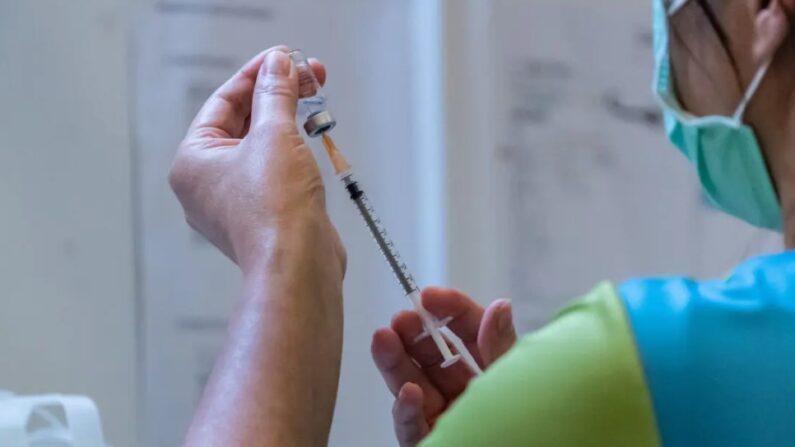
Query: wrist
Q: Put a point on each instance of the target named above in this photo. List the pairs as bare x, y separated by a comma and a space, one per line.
289, 247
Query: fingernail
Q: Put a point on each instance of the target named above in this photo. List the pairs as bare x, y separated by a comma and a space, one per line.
277, 63
505, 322
402, 392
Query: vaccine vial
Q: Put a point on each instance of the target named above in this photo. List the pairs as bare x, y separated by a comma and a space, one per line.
311, 103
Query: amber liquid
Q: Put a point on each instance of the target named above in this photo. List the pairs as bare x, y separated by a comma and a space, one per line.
337, 159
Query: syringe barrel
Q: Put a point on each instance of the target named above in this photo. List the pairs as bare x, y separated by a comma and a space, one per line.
379, 234
400, 270
312, 104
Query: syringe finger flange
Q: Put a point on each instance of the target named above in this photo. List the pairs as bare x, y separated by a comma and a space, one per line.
439, 324
451, 361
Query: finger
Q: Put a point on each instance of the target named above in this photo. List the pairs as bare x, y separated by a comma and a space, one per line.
410, 423
497, 334
319, 69
276, 91
450, 381
225, 113
397, 369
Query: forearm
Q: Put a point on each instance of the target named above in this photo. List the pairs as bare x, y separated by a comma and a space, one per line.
275, 383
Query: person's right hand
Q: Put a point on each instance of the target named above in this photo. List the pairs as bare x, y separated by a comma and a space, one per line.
412, 369
245, 178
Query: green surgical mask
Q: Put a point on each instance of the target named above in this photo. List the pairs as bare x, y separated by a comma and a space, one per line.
724, 151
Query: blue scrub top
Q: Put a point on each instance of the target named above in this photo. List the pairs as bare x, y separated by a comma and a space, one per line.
719, 356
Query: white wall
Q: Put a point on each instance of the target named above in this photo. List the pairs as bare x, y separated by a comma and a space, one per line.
67, 308
433, 99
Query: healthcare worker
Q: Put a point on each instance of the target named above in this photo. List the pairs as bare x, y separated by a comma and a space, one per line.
650, 362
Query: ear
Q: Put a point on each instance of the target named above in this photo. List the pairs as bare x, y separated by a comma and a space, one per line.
772, 26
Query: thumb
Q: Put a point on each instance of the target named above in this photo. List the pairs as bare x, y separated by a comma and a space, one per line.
497, 333
408, 416
276, 91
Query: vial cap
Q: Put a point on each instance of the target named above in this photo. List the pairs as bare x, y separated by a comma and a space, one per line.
319, 123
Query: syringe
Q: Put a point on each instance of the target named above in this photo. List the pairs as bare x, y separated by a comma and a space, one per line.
433, 326
319, 121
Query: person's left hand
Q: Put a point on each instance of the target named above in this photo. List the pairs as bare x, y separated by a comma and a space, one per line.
412, 370
246, 179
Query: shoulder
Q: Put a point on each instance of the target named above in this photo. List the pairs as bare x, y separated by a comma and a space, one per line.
578, 381
757, 300
760, 279
715, 352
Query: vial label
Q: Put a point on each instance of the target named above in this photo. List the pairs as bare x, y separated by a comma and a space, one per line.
307, 85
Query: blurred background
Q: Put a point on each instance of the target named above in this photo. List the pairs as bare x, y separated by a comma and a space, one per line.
513, 149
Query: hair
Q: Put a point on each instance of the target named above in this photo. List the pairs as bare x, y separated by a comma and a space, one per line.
706, 19
714, 23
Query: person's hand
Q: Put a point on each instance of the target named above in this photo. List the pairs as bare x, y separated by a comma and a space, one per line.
243, 174
412, 369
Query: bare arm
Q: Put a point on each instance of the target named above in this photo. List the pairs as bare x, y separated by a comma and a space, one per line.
275, 383
250, 185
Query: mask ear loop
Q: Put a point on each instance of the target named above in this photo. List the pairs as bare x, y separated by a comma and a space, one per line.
675, 6
759, 76
751, 91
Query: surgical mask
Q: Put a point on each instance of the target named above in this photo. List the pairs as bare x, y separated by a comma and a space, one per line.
724, 151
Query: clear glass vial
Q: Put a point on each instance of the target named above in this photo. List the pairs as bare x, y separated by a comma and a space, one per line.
311, 102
